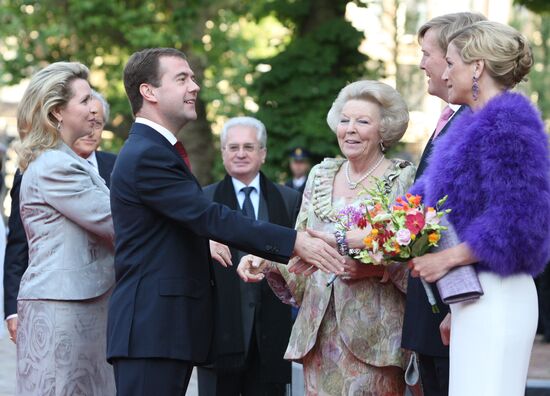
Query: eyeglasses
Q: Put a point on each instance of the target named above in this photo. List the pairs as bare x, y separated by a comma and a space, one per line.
248, 147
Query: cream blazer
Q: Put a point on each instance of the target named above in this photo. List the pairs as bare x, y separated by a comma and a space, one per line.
66, 214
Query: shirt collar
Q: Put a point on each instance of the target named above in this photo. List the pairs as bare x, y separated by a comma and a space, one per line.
92, 159
454, 107
238, 185
159, 128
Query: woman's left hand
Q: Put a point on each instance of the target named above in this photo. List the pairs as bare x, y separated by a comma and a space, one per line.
357, 270
431, 266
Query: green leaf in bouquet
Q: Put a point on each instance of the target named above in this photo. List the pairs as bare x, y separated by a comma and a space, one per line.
418, 248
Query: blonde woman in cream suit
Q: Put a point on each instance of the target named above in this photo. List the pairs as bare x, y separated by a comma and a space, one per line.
65, 210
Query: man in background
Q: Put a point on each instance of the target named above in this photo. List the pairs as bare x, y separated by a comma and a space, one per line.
252, 324
300, 164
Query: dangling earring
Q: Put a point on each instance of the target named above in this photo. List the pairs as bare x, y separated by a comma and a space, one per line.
475, 87
59, 125
382, 147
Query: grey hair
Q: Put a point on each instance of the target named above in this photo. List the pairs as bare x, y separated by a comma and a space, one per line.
394, 115
104, 104
261, 133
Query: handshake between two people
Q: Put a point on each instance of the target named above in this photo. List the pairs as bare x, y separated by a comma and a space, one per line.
313, 250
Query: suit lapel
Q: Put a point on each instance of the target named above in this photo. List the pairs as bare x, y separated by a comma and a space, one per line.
156, 138
424, 160
276, 207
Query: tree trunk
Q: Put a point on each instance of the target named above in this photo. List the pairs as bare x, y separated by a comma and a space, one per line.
197, 135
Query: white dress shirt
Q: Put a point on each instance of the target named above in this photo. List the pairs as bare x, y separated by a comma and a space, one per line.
159, 128
254, 195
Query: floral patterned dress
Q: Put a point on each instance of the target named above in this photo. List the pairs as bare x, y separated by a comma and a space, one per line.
348, 335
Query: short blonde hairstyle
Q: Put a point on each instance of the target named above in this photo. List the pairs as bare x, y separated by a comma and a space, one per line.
447, 25
394, 115
50, 88
506, 52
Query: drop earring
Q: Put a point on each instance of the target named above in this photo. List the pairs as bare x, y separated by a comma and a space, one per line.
475, 86
382, 147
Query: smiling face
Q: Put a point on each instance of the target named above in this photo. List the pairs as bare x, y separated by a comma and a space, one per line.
433, 63
242, 153
458, 78
76, 116
358, 129
177, 93
89, 143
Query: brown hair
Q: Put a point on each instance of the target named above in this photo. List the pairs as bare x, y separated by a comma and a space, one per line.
143, 67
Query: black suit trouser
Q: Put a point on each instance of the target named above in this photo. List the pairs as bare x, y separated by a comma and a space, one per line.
434, 374
242, 381
147, 377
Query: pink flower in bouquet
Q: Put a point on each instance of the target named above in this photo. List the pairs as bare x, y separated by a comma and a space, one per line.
431, 216
377, 257
403, 237
415, 222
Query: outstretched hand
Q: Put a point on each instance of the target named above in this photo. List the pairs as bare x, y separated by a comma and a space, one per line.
251, 268
316, 252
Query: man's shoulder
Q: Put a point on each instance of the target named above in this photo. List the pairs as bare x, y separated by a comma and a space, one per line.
210, 189
105, 155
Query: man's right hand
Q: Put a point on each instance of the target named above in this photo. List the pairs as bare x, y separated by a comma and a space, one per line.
11, 323
318, 253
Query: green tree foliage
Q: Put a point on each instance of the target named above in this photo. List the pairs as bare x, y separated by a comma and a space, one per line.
295, 95
538, 6
225, 40
103, 35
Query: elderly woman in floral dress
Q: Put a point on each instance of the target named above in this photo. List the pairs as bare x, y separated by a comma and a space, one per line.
347, 335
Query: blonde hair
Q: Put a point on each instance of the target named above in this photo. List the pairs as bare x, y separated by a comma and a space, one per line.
393, 109
50, 88
448, 24
506, 52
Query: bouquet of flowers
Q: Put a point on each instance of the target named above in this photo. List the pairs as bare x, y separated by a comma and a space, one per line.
396, 231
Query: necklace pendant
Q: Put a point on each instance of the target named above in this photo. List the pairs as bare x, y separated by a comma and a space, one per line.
353, 186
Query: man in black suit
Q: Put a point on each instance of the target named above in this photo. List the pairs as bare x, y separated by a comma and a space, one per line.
17, 250
299, 168
252, 325
421, 327
161, 312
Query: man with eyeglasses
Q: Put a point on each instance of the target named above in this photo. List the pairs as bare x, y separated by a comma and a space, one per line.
253, 326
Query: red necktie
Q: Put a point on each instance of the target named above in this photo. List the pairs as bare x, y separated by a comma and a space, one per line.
183, 153
443, 119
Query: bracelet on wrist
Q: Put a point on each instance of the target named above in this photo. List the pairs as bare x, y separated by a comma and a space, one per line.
341, 242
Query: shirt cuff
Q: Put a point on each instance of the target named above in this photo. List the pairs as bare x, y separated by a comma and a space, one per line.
11, 316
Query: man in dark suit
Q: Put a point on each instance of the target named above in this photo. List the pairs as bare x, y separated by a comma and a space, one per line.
421, 327
252, 325
299, 168
161, 312
17, 250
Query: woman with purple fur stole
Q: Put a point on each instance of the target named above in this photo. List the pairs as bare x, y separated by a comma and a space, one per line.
493, 164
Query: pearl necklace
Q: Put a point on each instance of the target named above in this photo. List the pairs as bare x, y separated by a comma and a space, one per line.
353, 185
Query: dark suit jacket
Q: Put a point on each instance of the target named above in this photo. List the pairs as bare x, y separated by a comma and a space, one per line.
271, 318
301, 189
17, 250
421, 325
162, 304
